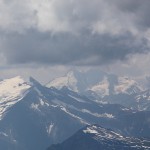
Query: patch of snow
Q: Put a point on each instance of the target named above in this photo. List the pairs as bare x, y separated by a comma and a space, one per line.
42, 102
11, 91
102, 133
89, 130
77, 99
54, 106
4, 134
49, 128
47, 104
102, 89
125, 109
104, 115
72, 115
35, 107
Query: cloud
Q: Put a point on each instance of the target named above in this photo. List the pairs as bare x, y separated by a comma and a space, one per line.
73, 31
69, 15
64, 48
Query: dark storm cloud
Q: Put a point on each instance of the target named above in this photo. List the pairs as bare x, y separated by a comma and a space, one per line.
139, 10
73, 31
64, 48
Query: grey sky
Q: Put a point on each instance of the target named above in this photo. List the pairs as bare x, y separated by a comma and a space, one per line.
79, 33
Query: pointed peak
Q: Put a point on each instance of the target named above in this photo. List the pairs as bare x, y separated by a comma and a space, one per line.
31, 79
34, 82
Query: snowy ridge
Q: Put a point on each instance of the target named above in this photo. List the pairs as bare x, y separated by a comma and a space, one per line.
95, 137
77, 99
125, 85
103, 115
69, 81
128, 86
103, 86
58, 82
11, 91
102, 134
74, 116
143, 96
102, 89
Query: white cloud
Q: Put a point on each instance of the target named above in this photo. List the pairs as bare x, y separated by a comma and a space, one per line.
73, 15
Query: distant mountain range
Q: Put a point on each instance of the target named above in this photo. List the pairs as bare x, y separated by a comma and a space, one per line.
101, 83
106, 88
33, 116
94, 137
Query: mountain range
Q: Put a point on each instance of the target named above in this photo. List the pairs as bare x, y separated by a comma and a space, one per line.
106, 88
95, 137
101, 83
34, 116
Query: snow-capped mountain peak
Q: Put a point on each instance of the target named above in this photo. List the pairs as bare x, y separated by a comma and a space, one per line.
102, 88
127, 85
69, 81
11, 91
102, 84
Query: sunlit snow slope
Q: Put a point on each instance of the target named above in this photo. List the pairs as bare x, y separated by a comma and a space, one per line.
68, 81
11, 91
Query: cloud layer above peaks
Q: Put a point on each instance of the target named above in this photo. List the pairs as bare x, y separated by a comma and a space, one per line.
77, 32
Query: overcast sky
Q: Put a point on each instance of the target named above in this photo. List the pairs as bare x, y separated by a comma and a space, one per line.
46, 38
